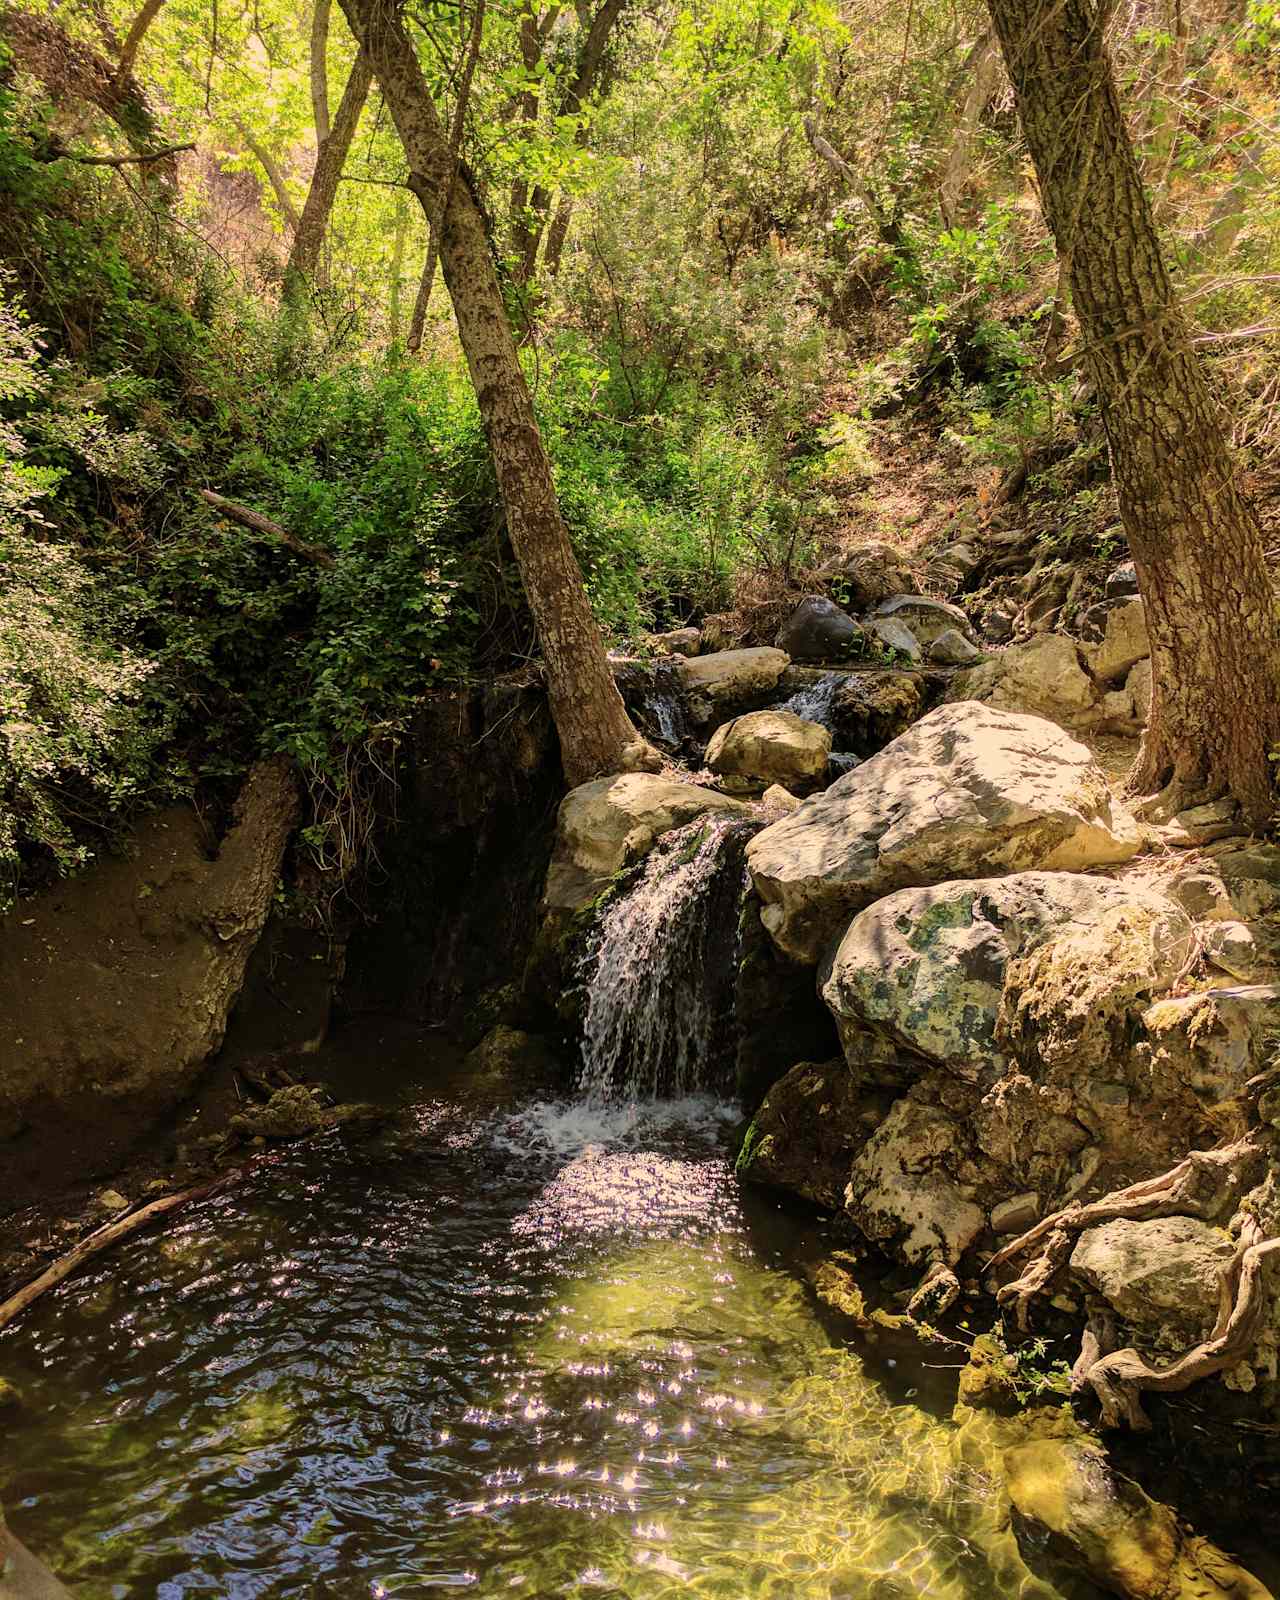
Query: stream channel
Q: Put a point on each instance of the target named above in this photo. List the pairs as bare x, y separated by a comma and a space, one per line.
538, 1348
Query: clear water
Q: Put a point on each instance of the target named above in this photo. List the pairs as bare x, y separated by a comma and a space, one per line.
542, 1351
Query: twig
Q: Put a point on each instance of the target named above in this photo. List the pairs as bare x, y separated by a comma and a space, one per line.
255, 521
103, 1238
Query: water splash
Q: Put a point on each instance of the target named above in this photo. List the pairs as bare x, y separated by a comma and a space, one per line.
661, 966
816, 701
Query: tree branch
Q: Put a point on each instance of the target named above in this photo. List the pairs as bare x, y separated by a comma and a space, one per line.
139, 160
257, 523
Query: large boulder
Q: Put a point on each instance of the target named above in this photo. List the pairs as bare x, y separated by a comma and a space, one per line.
729, 678
1046, 676
870, 572
927, 967
1124, 643
115, 988
968, 790
1161, 1276
819, 630
765, 747
611, 823
922, 616
810, 1126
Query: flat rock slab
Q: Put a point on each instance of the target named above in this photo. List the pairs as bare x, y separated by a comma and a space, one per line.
611, 823
1162, 1273
968, 791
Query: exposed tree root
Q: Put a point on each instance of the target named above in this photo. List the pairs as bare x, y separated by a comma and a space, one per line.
1204, 1184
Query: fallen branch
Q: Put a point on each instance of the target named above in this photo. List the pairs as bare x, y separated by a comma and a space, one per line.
255, 521
141, 159
103, 1238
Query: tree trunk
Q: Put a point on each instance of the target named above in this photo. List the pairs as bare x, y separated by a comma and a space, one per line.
557, 233
331, 157
397, 271
1195, 541
319, 58
596, 735
984, 67
418, 321
133, 39
275, 177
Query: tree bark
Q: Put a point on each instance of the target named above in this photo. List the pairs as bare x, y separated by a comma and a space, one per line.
320, 70
274, 176
596, 735
557, 234
984, 68
1194, 539
397, 271
331, 157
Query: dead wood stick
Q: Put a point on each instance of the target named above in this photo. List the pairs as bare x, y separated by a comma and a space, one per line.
88, 159
255, 521
103, 1238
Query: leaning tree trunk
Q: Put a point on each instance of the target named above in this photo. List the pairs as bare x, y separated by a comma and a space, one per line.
1195, 541
331, 157
596, 735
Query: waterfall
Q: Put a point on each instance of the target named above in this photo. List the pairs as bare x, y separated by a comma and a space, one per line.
816, 702
661, 966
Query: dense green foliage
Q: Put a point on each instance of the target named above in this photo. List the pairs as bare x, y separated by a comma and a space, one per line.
732, 310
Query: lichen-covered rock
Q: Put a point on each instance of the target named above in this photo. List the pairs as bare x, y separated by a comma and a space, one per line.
1046, 676
928, 965
611, 823
1124, 643
513, 1056
901, 1193
770, 747
729, 678
870, 572
1158, 1275
290, 1113
819, 630
967, 790
923, 617
871, 708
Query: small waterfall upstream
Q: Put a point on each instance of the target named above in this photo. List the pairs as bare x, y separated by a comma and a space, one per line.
816, 701
661, 966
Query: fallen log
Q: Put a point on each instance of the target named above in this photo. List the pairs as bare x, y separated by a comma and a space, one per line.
257, 523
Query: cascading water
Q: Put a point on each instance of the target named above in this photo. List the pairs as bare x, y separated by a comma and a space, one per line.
816, 701
661, 966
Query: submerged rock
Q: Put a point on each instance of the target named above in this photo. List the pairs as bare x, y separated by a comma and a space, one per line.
1065, 1495
611, 823
819, 630
968, 789
770, 747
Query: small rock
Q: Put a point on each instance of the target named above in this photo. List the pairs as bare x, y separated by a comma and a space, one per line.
819, 630
1232, 947
997, 624
895, 636
1269, 1106
1123, 644
1200, 825
1117, 713
781, 800
10, 1396
289, 1114
113, 1200
1016, 1215
678, 642
157, 1186
952, 649
506, 1052
1122, 582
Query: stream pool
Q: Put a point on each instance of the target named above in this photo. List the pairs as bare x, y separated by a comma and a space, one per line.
535, 1351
